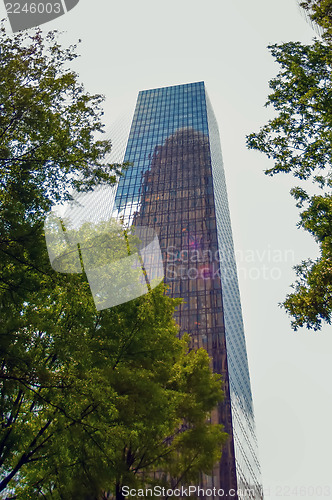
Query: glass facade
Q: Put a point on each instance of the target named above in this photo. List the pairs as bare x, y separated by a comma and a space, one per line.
177, 187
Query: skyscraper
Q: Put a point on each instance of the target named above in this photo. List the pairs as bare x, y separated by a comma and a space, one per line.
177, 187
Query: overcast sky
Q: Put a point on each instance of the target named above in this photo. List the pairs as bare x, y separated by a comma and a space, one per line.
130, 46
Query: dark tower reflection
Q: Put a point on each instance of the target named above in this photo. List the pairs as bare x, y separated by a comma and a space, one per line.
188, 238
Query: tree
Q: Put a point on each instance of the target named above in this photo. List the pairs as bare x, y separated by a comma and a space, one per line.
47, 146
93, 400
89, 400
299, 141
320, 12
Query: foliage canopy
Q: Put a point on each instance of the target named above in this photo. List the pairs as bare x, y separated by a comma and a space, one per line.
299, 141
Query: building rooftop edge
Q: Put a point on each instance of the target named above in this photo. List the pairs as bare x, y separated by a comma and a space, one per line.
173, 86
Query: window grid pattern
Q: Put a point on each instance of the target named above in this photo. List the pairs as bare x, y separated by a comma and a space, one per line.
246, 449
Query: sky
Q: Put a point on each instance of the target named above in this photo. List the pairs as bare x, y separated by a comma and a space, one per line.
131, 46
